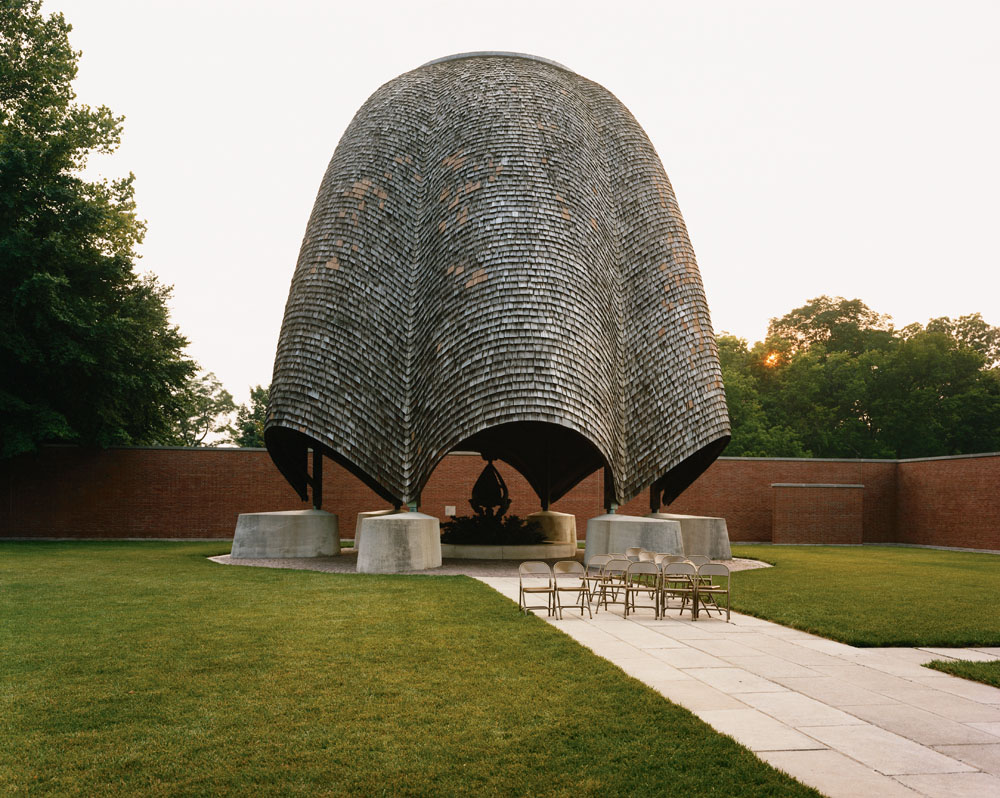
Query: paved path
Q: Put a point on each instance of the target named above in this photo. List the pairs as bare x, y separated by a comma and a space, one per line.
848, 721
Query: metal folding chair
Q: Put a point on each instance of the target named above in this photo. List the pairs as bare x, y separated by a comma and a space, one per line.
535, 578
569, 576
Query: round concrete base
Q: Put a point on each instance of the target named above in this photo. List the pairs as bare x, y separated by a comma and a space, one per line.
558, 527
291, 533
399, 542
538, 551
360, 519
702, 534
612, 534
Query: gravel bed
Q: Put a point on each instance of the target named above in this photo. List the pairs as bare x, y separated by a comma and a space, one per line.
346, 563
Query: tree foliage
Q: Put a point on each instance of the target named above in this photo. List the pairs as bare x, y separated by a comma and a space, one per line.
834, 379
87, 350
248, 430
203, 409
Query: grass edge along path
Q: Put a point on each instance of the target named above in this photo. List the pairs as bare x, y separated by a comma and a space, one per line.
874, 595
984, 672
144, 669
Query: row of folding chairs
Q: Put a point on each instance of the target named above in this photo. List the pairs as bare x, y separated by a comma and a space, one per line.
666, 578
562, 579
619, 580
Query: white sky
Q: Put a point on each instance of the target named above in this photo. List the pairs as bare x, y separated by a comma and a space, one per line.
847, 148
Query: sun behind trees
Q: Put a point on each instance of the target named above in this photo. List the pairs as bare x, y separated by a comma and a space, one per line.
87, 351
835, 379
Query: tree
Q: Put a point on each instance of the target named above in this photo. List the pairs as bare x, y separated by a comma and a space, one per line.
836, 379
203, 407
87, 350
248, 431
753, 433
841, 325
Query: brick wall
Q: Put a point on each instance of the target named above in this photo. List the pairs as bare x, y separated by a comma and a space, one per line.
193, 493
818, 513
949, 502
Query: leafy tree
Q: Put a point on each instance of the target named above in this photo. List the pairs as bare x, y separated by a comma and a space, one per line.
841, 325
753, 433
248, 431
87, 351
835, 379
971, 331
203, 407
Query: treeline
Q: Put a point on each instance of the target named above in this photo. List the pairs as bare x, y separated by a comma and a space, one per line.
836, 379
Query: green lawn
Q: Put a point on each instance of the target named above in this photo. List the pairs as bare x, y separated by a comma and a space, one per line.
143, 669
985, 672
875, 596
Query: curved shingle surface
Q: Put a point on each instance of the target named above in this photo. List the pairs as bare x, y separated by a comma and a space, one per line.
496, 260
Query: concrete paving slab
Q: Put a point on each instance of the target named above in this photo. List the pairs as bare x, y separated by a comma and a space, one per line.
965, 654
797, 710
687, 657
734, 680
722, 648
697, 696
757, 731
945, 704
991, 728
994, 650
832, 647
984, 757
788, 650
965, 688
767, 666
836, 775
884, 751
832, 691
614, 651
955, 785
650, 669
870, 679
919, 725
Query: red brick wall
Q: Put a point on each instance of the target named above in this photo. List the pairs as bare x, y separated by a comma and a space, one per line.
821, 513
949, 502
122, 493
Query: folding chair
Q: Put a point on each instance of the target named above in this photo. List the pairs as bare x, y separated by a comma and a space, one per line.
660, 559
642, 577
595, 568
535, 578
698, 560
647, 556
679, 580
711, 590
632, 553
569, 576
613, 581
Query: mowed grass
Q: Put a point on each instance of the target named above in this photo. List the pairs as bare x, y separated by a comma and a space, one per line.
985, 672
144, 669
875, 596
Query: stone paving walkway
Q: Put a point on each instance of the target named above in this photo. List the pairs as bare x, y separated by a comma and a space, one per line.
848, 721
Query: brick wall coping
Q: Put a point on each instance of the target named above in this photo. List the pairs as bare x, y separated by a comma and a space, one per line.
812, 485
948, 457
774, 459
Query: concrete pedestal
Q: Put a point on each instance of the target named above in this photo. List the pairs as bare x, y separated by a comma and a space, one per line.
612, 534
702, 534
292, 533
558, 527
399, 542
360, 520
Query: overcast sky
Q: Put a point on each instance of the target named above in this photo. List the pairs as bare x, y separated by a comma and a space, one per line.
848, 148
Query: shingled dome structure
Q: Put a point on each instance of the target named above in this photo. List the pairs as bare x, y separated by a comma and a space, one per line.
496, 262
